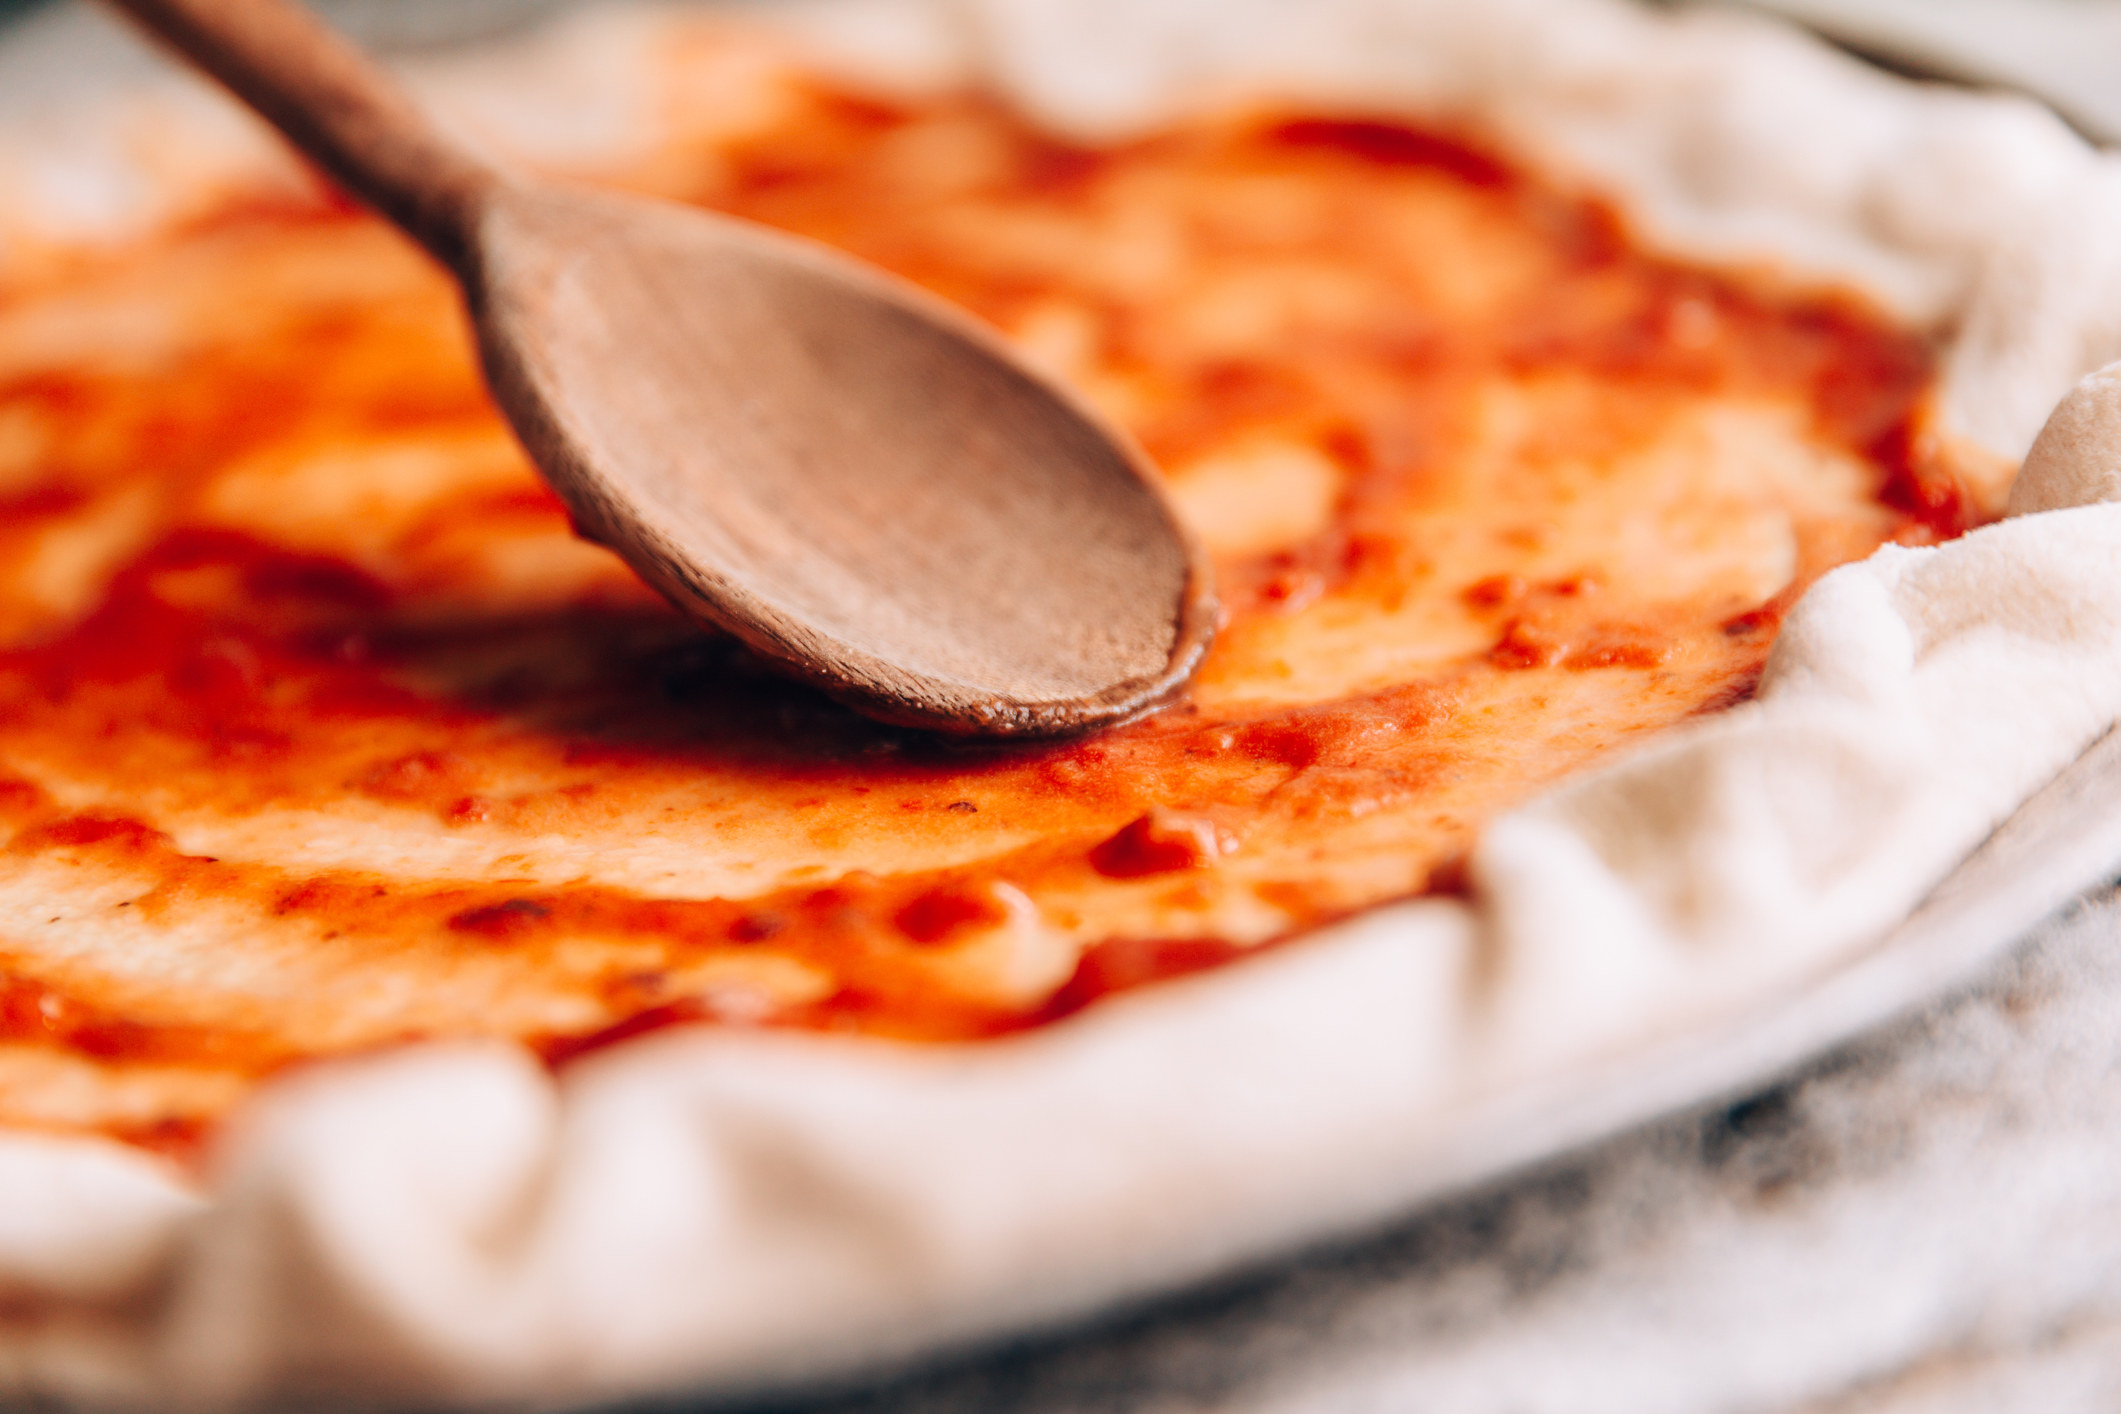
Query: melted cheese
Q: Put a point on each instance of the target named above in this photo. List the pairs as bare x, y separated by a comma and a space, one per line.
321, 732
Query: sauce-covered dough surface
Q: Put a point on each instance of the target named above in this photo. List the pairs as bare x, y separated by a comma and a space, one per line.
320, 732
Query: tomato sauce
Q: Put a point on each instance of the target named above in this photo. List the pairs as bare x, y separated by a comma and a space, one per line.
292, 766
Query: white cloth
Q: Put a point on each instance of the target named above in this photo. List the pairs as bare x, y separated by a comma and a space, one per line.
450, 1222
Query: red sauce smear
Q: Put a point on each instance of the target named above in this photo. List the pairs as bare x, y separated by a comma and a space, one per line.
219, 673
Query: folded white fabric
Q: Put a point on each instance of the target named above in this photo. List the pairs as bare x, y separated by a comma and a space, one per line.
449, 1222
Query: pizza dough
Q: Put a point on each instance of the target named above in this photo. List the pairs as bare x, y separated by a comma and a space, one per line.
324, 731
446, 1221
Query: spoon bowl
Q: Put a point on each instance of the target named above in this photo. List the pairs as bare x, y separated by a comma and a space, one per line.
837, 468
855, 479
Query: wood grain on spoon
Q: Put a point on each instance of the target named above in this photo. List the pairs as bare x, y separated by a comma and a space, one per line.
841, 470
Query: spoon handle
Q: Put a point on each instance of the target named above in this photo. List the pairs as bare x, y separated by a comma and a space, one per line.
336, 105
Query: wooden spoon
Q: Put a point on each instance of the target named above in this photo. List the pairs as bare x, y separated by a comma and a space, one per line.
842, 471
